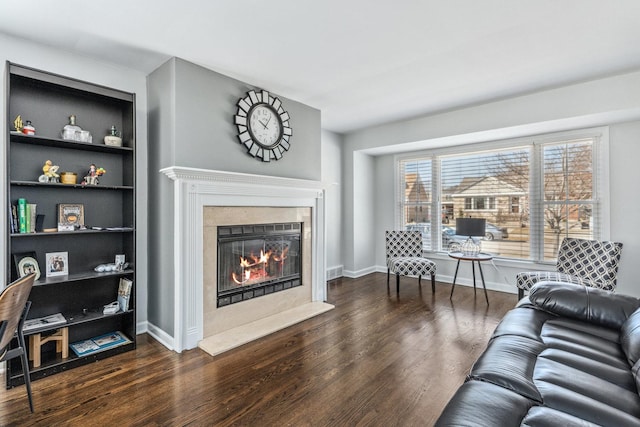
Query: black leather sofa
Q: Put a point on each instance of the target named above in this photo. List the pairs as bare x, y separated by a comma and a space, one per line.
566, 356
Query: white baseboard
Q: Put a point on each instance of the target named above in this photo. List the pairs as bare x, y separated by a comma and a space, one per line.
463, 281
335, 272
359, 273
161, 336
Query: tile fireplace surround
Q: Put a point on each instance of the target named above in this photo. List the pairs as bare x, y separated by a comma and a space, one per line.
205, 199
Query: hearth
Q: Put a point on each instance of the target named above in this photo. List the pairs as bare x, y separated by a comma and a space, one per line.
257, 259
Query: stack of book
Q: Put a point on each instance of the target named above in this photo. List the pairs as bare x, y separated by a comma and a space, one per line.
22, 217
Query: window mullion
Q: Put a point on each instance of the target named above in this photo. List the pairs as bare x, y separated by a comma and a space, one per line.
536, 203
436, 205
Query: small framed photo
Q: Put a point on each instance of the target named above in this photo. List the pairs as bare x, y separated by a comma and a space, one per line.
120, 262
57, 264
70, 214
25, 264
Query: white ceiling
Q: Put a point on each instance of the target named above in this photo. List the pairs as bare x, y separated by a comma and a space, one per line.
361, 62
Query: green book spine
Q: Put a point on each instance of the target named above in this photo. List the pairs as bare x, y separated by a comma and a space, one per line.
28, 221
22, 215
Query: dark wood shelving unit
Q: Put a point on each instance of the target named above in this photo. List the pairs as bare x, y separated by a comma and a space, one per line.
47, 100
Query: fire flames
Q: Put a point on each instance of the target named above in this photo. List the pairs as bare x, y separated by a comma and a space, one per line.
258, 268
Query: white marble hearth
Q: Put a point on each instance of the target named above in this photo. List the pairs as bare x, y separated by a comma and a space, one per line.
235, 337
204, 199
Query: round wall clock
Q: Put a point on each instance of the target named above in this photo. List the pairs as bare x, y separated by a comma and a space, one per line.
263, 125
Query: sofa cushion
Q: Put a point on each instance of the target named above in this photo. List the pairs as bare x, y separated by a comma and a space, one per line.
510, 362
539, 416
630, 337
584, 303
481, 404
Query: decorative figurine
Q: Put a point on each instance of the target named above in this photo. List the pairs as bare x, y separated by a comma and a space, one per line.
72, 131
28, 129
50, 172
92, 175
17, 123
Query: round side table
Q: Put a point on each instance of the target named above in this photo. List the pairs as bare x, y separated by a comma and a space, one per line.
477, 258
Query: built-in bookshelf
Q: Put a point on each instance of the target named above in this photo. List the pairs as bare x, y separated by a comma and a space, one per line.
79, 292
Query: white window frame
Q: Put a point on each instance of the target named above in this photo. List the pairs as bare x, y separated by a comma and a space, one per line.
600, 136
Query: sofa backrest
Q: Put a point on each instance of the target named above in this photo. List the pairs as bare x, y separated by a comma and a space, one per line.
630, 338
584, 303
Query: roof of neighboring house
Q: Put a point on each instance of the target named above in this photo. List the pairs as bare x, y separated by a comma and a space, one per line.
415, 190
486, 186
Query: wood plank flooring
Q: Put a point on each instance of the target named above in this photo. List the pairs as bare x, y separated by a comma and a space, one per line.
376, 360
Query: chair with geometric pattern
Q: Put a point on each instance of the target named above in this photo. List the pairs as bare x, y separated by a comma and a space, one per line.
582, 262
404, 257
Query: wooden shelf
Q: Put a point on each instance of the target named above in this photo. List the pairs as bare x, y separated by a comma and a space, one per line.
68, 233
76, 186
87, 275
48, 99
58, 364
77, 319
65, 143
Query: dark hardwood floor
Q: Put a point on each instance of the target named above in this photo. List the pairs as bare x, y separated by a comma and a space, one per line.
377, 359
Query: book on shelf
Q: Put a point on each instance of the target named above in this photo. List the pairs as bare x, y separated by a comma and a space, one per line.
44, 322
12, 226
22, 215
124, 293
99, 343
31, 219
14, 218
70, 216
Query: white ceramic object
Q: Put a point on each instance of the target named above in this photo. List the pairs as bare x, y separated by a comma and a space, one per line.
114, 141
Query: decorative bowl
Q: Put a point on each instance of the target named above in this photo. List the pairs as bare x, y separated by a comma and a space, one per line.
69, 177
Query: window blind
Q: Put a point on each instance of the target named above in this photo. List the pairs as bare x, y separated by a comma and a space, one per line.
532, 192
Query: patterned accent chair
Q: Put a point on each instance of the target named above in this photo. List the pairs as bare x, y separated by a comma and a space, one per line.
582, 262
404, 257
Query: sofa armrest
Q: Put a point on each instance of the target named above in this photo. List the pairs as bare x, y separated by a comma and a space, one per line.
584, 303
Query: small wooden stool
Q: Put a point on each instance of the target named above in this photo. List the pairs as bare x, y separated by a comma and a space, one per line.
61, 337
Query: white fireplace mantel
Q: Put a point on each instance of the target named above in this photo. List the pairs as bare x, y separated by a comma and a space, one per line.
196, 188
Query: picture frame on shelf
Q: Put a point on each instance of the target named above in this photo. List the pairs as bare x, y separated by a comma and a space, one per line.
25, 264
57, 264
70, 216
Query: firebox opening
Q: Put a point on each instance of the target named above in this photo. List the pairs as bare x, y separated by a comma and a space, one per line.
258, 259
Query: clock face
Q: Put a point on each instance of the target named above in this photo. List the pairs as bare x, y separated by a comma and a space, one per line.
263, 125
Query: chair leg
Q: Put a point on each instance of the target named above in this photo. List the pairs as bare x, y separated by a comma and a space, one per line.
25, 368
419, 280
397, 283
520, 293
433, 283
388, 269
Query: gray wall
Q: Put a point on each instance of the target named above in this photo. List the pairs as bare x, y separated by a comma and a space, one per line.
191, 113
162, 131
332, 182
614, 101
91, 70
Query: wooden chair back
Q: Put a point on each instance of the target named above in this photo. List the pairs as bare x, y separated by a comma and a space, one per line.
12, 302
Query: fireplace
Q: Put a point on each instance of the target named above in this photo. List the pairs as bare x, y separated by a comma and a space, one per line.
257, 259
205, 200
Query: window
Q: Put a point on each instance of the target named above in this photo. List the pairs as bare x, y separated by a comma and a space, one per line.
531, 192
515, 205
